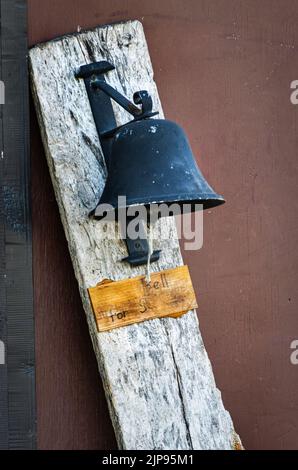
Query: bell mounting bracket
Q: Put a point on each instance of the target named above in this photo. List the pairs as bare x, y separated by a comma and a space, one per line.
138, 248
100, 94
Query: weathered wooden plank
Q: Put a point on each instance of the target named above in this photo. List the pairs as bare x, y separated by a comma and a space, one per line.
157, 376
168, 294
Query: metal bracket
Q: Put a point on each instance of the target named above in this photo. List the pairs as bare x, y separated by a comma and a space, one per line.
100, 102
100, 94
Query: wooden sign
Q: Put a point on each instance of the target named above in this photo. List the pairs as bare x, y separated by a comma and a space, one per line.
169, 294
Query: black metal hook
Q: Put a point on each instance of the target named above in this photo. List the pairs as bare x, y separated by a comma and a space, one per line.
140, 97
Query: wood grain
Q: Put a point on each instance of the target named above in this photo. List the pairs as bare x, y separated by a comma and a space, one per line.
157, 376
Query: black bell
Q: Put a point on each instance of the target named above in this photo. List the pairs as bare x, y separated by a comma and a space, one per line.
148, 160
151, 162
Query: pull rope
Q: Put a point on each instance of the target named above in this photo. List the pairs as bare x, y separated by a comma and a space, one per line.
150, 251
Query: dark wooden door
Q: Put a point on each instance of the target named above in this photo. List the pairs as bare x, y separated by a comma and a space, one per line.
223, 69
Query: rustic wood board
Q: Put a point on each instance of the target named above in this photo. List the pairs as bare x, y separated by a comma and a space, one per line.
168, 294
157, 376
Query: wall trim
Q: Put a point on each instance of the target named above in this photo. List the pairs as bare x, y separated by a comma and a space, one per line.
17, 374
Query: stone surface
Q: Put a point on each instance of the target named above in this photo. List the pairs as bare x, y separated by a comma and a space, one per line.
157, 376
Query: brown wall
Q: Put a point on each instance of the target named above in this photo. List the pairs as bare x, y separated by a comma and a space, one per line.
223, 69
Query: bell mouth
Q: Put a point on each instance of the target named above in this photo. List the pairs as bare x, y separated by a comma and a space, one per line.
187, 203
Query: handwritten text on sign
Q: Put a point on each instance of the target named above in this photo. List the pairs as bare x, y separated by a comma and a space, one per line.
169, 294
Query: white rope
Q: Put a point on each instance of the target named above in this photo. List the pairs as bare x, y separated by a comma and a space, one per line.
150, 251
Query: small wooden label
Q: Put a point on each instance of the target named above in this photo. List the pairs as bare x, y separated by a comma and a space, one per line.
119, 303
